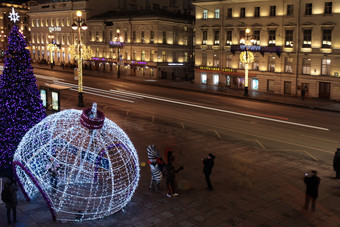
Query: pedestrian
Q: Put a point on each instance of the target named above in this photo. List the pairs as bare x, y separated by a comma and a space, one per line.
312, 182
9, 196
53, 167
170, 172
208, 164
336, 163
156, 164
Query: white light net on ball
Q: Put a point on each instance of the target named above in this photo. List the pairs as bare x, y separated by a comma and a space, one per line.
98, 168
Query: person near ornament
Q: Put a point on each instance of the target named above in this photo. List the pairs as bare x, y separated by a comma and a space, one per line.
170, 172
9, 197
336, 163
156, 164
53, 167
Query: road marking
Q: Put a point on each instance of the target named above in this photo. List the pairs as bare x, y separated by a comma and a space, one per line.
184, 103
105, 96
47, 77
265, 115
227, 111
331, 141
311, 156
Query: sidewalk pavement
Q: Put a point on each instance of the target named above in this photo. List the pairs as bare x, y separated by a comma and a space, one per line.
313, 103
253, 187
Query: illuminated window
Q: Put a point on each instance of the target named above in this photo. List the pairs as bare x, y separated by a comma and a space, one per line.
257, 12
203, 78
328, 7
33, 38
242, 36
229, 36
326, 38
164, 56
68, 21
52, 22
152, 36
288, 65
271, 64
306, 66
216, 79
243, 12
205, 38
326, 67
217, 13
38, 23
143, 55
308, 9
307, 38
256, 37
42, 23
289, 38
228, 61
185, 56
62, 22
216, 60
57, 22
272, 11
290, 10
205, 14
46, 22
216, 37
230, 13
142, 36
272, 38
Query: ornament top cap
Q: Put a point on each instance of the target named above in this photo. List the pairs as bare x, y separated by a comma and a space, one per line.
92, 118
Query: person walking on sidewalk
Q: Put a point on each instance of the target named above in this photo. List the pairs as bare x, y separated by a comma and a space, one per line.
312, 182
303, 93
336, 163
208, 164
9, 196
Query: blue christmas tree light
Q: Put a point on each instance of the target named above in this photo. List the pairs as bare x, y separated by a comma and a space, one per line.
20, 104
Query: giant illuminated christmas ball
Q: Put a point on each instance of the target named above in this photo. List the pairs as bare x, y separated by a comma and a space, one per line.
97, 165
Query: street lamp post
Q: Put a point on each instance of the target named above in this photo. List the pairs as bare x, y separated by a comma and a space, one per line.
79, 23
246, 57
118, 43
51, 46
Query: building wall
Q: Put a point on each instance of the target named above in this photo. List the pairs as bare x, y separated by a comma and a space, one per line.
295, 55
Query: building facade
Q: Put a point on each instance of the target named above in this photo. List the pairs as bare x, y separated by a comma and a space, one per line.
156, 43
293, 45
157, 35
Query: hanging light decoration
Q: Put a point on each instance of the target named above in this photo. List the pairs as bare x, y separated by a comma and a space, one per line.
99, 167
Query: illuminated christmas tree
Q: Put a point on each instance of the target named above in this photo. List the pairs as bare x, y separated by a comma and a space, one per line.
20, 104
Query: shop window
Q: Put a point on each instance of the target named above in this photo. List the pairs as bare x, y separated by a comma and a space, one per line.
255, 84
216, 79
270, 85
204, 78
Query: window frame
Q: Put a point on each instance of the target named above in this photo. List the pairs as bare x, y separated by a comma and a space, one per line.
308, 9
272, 11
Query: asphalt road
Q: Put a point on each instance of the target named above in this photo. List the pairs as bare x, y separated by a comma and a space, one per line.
297, 132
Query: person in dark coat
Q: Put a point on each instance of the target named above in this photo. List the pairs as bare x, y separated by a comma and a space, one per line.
336, 163
11, 200
312, 182
169, 173
208, 164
